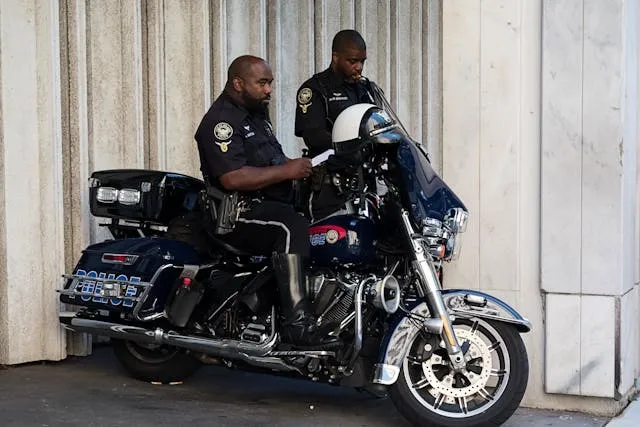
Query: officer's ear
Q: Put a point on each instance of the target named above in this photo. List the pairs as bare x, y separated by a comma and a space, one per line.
335, 56
238, 84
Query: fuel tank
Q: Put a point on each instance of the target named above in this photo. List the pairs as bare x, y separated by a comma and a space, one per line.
343, 240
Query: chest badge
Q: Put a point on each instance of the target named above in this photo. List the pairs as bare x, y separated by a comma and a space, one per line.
304, 107
223, 132
304, 99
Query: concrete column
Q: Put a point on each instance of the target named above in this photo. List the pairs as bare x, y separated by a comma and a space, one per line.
491, 145
589, 197
291, 59
179, 49
31, 201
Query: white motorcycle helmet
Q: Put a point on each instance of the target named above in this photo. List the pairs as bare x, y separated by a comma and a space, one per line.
362, 123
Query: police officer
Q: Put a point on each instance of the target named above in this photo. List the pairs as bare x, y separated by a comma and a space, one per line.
240, 153
319, 102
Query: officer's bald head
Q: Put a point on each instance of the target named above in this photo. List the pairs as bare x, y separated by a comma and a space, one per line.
249, 81
242, 67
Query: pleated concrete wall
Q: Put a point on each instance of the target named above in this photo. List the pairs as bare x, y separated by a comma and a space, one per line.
89, 85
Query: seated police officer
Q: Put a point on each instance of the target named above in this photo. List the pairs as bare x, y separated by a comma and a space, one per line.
321, 99
240, 153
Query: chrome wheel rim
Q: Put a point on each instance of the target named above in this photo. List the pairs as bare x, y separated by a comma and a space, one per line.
433, 383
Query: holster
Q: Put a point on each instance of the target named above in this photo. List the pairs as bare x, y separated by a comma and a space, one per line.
223, 208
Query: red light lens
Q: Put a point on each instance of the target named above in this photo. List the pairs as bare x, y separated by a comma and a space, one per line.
119, 258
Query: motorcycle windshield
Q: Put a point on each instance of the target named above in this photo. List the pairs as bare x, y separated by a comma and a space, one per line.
428, 195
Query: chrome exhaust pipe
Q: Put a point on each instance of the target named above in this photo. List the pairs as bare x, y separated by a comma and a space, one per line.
224, 348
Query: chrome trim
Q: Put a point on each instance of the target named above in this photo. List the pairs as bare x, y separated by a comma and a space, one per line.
385, 374
456, 220
467, 303
272, 363
522, 325
431, 289
383, 130
310, 353
404, 333
333, 303
359, 301
93, 295
145, 294
393, 268
190, 271
344, 323
76, 280
221, 306
97, 279
219, 347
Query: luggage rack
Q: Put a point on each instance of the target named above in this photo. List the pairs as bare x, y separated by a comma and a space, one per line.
122, 228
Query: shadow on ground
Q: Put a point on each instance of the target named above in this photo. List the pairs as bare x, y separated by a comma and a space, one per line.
95, 391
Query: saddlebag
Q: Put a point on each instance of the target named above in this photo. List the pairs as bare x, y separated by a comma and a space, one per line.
138, 278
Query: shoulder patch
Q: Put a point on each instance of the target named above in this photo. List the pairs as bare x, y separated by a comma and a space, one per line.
304, 96
223, 131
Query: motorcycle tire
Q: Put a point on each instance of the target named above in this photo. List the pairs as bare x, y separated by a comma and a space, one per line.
426, 394
156, 364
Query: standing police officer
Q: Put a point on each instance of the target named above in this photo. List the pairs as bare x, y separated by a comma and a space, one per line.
240, 153
321, 99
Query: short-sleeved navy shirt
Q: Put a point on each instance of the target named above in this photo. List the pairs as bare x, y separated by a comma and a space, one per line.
230, 137
322, 98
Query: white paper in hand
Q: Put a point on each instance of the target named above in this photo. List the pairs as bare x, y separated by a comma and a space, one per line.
321, 158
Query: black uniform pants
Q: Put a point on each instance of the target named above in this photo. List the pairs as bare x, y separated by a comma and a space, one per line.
270, 227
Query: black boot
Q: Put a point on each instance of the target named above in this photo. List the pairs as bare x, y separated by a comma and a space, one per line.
299, 325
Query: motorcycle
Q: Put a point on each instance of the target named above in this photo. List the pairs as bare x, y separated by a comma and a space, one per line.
172, 297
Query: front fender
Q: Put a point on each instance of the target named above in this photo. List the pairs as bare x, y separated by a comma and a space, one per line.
460, 303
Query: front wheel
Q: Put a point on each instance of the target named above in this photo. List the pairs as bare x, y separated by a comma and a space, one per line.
155, 363
486, 393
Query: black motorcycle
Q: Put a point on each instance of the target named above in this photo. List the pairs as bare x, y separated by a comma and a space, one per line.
171, 296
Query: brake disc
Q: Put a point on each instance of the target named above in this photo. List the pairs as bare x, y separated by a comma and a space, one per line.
477, 349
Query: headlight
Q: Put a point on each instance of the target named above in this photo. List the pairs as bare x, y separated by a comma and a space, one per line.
454, 244
456, 220
432, 227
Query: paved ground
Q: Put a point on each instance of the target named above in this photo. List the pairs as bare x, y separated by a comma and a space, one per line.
94, 391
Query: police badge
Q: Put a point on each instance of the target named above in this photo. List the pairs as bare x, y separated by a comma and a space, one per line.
223, 132
304, 96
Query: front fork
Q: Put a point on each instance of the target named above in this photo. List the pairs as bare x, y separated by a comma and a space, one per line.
431, 290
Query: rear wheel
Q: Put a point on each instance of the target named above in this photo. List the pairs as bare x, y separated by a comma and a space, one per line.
486, 393
155, 363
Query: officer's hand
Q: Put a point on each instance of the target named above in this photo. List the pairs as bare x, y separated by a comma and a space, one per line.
298, 168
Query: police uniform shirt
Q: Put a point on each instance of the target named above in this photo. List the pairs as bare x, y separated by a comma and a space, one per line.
230, 137
321, 99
